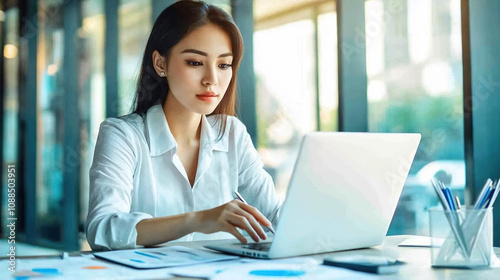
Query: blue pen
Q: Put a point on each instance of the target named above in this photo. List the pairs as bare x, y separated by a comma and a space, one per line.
448, 196
484, 199
481, 194
445, 194
495, 194
440, 194
490, 197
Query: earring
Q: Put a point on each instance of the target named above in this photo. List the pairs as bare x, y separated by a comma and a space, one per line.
162, 74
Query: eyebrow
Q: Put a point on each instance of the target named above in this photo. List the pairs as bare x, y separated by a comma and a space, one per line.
204, 53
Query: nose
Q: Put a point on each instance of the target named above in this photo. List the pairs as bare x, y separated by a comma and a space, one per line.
210, 77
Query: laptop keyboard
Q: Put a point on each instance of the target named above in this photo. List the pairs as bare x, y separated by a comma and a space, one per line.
264, 246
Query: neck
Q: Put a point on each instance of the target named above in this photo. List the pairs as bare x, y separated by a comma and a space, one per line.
184, 125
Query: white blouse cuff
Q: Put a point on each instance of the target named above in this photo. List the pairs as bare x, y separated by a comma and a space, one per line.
118, 231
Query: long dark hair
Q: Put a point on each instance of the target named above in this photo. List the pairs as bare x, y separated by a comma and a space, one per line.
171, 26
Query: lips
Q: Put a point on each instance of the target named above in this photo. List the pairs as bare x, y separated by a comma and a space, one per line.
207, 96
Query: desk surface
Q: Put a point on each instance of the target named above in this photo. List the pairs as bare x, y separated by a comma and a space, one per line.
418, 262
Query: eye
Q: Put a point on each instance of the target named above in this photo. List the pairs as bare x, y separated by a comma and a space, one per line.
193, 63
224, 66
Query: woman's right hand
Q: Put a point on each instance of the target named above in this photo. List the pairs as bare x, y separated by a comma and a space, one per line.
230, 216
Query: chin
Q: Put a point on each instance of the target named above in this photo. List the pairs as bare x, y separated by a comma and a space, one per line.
205, 111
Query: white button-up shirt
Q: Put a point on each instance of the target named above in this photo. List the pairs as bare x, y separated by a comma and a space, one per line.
136, 175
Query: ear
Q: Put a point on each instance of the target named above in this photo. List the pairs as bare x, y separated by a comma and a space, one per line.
159, 64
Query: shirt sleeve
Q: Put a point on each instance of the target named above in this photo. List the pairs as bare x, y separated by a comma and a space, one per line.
110, 225
254, 183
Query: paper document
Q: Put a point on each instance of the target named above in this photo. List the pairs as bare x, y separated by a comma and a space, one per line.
78, 268
273, 270
162, 257
210, 270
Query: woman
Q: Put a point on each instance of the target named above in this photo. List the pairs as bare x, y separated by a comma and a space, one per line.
168, 171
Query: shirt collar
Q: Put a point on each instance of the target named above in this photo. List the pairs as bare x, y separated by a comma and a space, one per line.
161, 139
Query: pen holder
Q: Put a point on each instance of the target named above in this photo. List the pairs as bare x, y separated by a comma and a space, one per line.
462, 238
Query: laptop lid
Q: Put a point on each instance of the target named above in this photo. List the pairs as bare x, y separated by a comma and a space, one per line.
342, 195
343, 191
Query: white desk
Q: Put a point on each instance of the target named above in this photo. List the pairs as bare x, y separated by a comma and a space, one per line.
418, 263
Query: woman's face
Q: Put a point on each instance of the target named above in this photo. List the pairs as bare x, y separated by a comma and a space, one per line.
199, 69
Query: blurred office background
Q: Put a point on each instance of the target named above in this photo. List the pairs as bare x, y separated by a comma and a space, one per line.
309, 65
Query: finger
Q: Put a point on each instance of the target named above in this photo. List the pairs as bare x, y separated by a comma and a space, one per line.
256, 213
242, 222
253, 222
234, 231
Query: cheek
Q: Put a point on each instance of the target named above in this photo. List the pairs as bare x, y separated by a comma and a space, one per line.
180, 77
226, 77
183, 73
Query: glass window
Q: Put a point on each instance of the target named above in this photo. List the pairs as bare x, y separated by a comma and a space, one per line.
286, 100
92, 92
328, 68
414, 67
50, 133
10, 139
287, 90
134, 27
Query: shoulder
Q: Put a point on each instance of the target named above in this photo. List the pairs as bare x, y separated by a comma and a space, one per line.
127, 127
234, 124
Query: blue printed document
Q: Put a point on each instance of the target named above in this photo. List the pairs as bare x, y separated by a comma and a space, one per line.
162, 257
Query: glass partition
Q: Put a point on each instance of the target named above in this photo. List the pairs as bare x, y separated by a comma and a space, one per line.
414, 67
286, 95
50, 133
92, 92
134, 27
295, 62
328, 68
11, 103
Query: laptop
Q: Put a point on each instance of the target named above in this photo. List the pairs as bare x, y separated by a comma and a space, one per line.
342, 195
